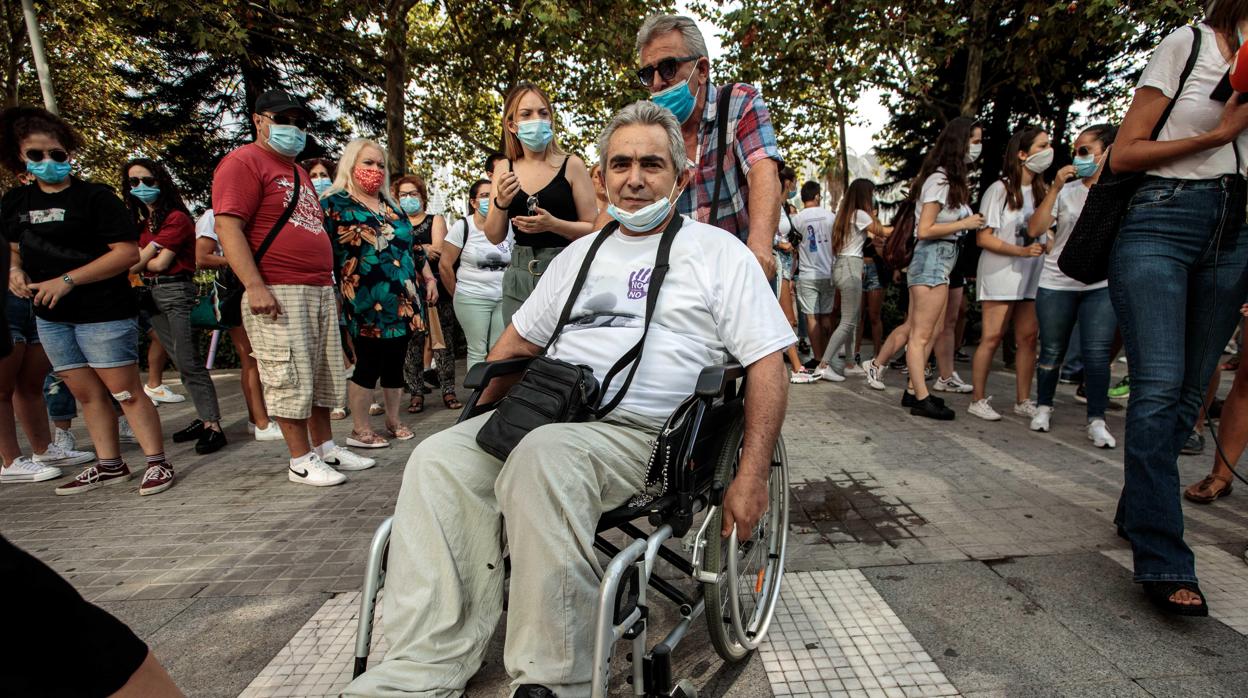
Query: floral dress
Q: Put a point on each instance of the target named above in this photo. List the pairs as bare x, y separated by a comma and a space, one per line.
376, 263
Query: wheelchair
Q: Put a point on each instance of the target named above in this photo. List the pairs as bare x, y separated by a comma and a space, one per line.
736, 584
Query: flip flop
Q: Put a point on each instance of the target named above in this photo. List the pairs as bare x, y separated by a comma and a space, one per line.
401, 433
417, 405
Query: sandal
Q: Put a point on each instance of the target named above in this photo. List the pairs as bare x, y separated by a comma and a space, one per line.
368, 439
376, 409
400, 432
452, 402
1203, 492
1160, 592
417, 405
338, 413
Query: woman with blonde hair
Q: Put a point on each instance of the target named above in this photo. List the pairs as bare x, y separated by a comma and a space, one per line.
376, 261
544, 193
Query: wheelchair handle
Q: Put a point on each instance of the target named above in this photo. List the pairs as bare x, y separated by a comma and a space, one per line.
481, 374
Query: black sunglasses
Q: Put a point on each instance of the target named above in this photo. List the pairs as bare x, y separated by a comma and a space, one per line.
1083, 151
56, 154
135, 181
299, 122
666, 68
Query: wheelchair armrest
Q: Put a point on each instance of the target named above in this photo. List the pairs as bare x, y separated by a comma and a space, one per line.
481, 374
714, 380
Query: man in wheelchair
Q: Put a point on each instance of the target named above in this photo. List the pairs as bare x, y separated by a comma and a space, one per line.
445, 591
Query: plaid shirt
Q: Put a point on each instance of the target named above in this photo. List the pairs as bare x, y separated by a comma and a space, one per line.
752, 139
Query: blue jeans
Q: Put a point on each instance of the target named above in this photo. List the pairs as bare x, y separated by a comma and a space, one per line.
1177, 280
1057, 312
61, 404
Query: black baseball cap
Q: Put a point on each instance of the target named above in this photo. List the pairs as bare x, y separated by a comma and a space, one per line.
278, 101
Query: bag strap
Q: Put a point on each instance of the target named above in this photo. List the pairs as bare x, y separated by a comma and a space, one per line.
581, 275
721, 123
1165, 114
281, 221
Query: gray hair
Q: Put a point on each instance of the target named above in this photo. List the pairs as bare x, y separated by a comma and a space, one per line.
662, 24
644, 113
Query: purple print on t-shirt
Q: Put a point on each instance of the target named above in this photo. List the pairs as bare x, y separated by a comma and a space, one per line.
639, 283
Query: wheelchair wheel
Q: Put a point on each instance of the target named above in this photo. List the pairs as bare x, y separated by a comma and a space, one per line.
752, 592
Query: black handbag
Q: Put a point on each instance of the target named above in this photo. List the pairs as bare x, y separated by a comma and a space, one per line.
552, 391
1086, 255
229, 288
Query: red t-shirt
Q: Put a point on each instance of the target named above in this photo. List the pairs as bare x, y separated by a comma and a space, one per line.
255, 185
177, 233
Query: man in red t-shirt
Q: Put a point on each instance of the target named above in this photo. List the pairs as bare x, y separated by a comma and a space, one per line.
269, 224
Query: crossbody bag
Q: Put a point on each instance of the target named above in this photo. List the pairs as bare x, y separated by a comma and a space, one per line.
229, 288
553, 391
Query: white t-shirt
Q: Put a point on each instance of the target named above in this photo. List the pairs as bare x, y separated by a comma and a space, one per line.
714, 304
481, 264
1066, 210
1002, 277
814, 255
205, 227
857, 234
1194, 113
936, 191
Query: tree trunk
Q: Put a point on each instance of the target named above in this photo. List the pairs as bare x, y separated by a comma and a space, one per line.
842, 147
975, 58
15, 38
394, 60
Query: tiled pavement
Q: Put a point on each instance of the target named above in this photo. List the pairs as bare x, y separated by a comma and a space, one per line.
925, 510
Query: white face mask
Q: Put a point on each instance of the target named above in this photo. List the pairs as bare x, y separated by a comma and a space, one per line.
973, 153
1040, 161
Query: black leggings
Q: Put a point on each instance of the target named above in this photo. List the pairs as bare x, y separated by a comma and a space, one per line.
379, 358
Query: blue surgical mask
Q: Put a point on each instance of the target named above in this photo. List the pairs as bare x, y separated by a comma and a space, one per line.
535, 134
322, 185
483, 206
646, 218
1084, 166
411, 205
677, 99
48, 170
286, 139
146, 194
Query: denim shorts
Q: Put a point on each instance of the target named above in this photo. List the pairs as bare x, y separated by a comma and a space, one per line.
932, 262
108, 344
871, 277
21, 317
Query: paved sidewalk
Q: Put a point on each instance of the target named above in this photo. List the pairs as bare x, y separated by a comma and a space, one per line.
925, 558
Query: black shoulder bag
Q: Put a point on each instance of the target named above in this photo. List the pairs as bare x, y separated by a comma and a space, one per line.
552, 391
1086, 255
229, 287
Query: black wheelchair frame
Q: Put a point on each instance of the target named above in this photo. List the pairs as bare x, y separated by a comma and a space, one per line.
703, 441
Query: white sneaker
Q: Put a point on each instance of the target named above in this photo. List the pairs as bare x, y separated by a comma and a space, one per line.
314, 472
269, 433
952, 384
24, 469
802, 377
875, 375
162, 393
65, 439
1026, 408
57, 456
343, 459
855, 371
1040, 422
831, 376
1099, 434
983, 410
124, 433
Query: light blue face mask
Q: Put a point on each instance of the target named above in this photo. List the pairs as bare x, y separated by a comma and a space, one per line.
411, 205
535, 134
48, 170
286, 139
322, 185
646, 218
146, 194
483, 206
678, 99
1084, 166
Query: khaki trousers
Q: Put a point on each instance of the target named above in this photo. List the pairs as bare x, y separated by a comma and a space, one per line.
444, 588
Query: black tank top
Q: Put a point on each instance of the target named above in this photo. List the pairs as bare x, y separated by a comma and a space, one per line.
422, 232
556, 199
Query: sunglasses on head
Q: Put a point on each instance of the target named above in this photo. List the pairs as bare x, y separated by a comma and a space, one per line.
56, 154
299, 122
666, 69
136, 181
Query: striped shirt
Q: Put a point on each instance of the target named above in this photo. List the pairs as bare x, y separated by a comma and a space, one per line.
752, 139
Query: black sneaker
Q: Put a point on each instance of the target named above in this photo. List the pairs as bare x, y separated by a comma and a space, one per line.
1081, 394
909, 400
532, 690
1194, 446
898, 364
812, 364
803, 346
929, 408
193, 431
210, 441
961, 357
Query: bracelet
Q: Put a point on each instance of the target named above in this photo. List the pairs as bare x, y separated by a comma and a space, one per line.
498, 205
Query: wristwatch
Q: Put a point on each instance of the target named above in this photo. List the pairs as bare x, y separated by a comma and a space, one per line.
69, 280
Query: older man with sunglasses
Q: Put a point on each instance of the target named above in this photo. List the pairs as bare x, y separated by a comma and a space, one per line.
270, 226
676, 69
